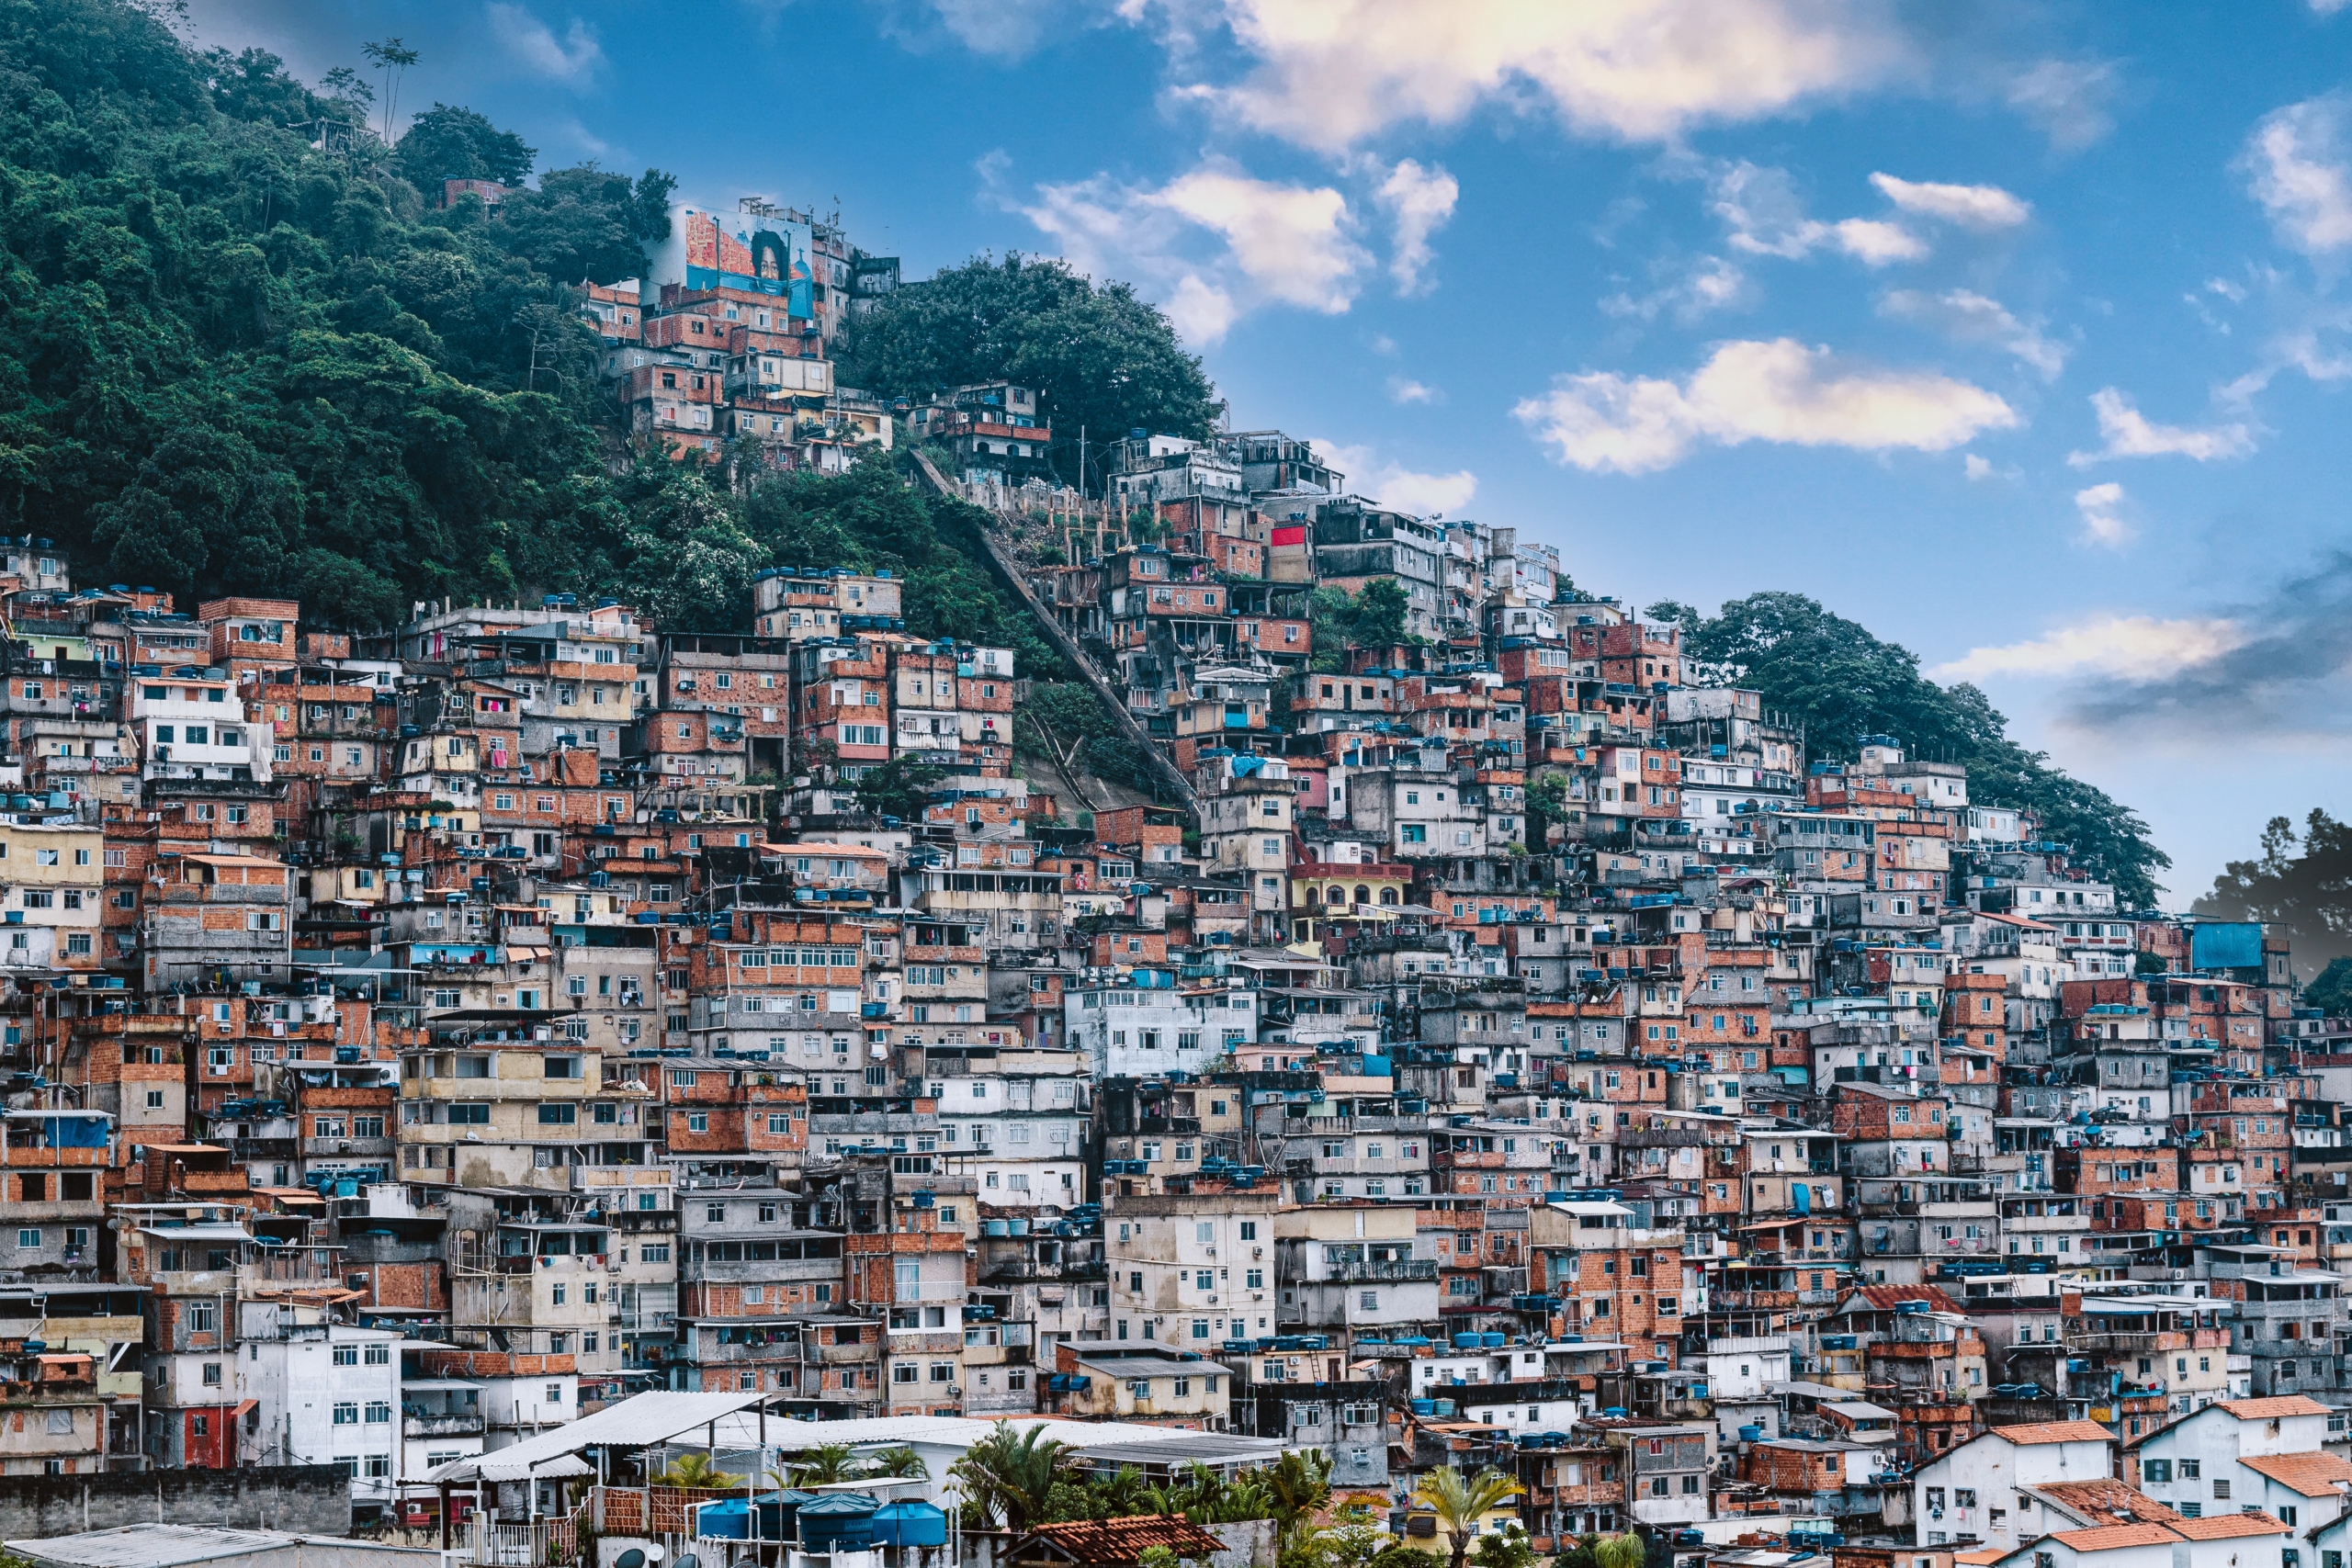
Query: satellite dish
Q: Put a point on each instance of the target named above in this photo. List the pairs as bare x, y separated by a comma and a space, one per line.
655, 1554
689, 1560
632, 1558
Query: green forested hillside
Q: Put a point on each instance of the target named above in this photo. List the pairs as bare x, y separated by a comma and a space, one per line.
231, 359
240, 349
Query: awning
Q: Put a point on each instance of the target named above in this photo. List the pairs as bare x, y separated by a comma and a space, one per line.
639, 1423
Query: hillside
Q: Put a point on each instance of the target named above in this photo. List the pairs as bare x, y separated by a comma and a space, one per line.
243, 352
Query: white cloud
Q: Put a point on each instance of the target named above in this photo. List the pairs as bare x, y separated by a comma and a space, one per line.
1708, 284
1393, 484
2329, 8
1289, 239
1421, 200
2068, 99
1877, 243
1972, 206
2295, 168
2129, 433
1969, 317
1278, 243
1764, 216
1779, 391
2128, 648
2101, 523
1331, 73
572, 58
2234, 292
1979, 469
1403, 389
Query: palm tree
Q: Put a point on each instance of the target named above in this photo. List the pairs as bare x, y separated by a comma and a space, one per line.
1010, 1475
1621, 1551
824, 1464
1459, 1504
696, 1472
900, 1463
1300, 1483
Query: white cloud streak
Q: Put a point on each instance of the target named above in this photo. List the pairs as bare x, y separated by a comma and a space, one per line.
1968, 317
2103, 522
1420, 201
2129, 433
1391, 484
1779, 391
1277, 244
1972, 206
573, 57
2126, 647
2295, 166
1331, 73
1763, 216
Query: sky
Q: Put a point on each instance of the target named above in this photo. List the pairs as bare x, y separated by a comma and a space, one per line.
2019, 332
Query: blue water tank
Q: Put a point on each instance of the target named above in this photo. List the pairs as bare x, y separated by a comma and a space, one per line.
728, 1520
1465, 1341
841, 1521
911, 1522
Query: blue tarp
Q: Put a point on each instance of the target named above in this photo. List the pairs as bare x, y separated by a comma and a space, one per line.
75, 1132
2226, 944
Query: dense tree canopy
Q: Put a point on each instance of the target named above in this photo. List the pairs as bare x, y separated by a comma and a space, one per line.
1842, 684
236, 360
1101, 357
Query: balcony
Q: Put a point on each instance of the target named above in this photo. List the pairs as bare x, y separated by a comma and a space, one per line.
1398, 1270
416, 1425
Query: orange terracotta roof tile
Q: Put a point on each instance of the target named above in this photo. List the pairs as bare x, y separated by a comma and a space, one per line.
1125, 1539
2269, 1409
2054, 1432
2313, 1474
2100, 1502
2227, 1526
2110, 1537
1884, 1297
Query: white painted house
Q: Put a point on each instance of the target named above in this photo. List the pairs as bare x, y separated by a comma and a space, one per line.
2247, 1453
1973, 1492
2236, 1540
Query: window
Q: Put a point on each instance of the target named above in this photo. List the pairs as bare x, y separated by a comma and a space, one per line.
346, 1413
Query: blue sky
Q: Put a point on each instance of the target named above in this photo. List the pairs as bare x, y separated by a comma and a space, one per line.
2019, 332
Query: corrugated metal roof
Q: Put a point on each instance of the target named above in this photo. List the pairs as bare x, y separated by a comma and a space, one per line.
167, 1545
638, 1422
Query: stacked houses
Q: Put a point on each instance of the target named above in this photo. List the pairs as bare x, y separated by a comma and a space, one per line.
1508, 1052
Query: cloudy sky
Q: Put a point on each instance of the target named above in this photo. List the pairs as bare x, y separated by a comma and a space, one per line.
2020, 331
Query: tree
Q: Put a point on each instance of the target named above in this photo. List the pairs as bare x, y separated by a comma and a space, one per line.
1461, 1504
688, 562
696, 1472
823, 1466
1009, 1475
583, 224
1373, 617
1099, 356
447, 142
1380, 609
2302, 886
392, 58
1300, 1483
899, 1462
1508, 1547
1623, 1550
1841, 684
900, 787
2332, 991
